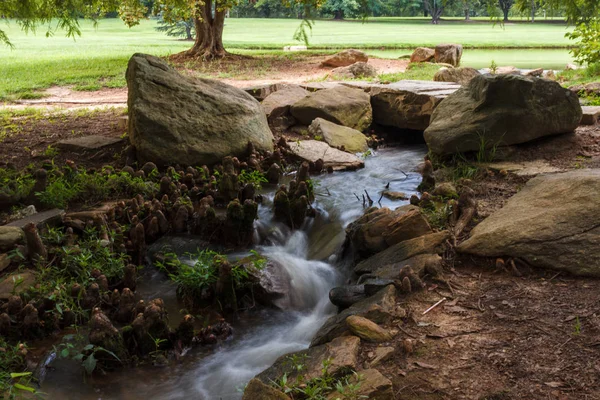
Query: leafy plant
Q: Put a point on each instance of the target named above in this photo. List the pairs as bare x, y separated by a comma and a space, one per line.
255, 177
588, 35
15, 382
493, 67
73, 348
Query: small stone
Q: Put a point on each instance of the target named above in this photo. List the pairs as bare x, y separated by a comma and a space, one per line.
367, 329
388, 194
88, 143
382, 354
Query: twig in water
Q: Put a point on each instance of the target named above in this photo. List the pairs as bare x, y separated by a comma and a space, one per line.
369, 197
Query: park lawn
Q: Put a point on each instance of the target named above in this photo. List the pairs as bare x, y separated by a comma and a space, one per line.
99, 57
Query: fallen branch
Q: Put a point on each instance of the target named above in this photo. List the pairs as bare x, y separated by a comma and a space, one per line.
434, 306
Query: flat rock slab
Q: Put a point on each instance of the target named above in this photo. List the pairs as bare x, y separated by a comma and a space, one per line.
41, 219
316, 86
525, 168
312, 150
87, 143
590, 115
16, 283
437, 89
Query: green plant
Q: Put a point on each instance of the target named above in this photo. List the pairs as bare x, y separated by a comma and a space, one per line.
438, 215
15, 382
493, 67
257, 178
577, 326
588, 35
73, 348
50, 152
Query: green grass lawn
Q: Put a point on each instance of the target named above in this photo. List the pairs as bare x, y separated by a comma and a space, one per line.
98, 58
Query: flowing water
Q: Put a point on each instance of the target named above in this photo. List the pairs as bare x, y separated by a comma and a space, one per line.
309, 256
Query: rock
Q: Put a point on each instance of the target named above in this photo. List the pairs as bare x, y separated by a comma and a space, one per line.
261, 92
367, 329
10, 237
426, 244
501, 110
374, 285
42, 219
87, 143
394, 195
408, 104
356, 70
341, 105
373, 386
551, 223
448, 54
550, 75
459, 75
338, 136
4, 261
571, 67
16, 283
422, 54
445, 189
381, 228
345, 58
277, 105
313, 150
258, 390
535, 72
342, 353
345, 296
508, 70
590, 115
417, 263
177, 119
316, 86
382, 354
524, 168
378, 308
588, 89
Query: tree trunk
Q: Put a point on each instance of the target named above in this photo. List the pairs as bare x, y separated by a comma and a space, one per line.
209, 34
338, 14
505, 11
467, 16
532, 10
188, 32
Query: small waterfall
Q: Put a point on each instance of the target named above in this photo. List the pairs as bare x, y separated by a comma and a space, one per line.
306, 308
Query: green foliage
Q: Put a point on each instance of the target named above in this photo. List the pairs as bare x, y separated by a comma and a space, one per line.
588, 35
493, 67
346, 385
183, 28
415, 71
15, 185
82, 186
438, 215
577, 326
580, 76
199, 271
257, 178
74, 347
14, 382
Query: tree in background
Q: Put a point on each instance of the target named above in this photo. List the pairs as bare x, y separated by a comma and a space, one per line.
183, 28
505, 6
435, 8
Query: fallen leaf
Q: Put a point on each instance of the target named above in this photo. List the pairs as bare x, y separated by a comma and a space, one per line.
554, 384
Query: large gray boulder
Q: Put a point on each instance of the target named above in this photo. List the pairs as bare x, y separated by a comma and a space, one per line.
501, 110
553, 222
341, 105
277, 105
178, 119
408, 104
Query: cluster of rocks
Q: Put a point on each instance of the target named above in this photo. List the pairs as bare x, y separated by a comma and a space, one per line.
349, 64
449, 54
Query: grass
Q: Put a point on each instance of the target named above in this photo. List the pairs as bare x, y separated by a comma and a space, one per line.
421, 71
99, 57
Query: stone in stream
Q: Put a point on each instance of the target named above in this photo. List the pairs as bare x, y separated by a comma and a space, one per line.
345, 58
178, 119
381, 228
378, 308
345, 296
501, 110
551, 223
342, 105
313, 150
342, 352
367, 330
408, 104
338, 136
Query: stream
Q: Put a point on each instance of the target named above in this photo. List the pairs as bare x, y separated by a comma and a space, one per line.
310, 257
